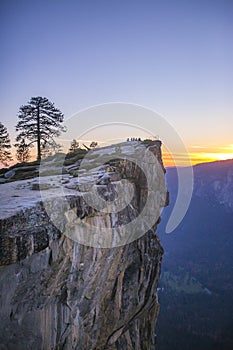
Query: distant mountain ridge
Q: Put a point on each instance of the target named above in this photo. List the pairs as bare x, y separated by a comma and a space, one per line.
196, 282
215, 181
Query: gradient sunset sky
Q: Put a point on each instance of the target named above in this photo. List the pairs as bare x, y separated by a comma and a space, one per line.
175, 57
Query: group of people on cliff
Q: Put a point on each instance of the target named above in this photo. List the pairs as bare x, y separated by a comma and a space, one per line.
134, 139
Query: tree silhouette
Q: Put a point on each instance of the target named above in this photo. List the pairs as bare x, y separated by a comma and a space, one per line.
40, 122
23, 151
5, 154
74, 146
48, 149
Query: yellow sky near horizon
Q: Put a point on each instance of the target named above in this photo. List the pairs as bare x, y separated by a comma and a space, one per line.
198, 154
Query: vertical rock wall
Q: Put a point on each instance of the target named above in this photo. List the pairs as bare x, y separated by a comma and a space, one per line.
58, 294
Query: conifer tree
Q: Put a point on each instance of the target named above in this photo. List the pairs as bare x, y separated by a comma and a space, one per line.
39, 122
48, 149
23, 151
5, 146
74, 146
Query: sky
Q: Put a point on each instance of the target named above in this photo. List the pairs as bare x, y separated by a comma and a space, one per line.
174, 57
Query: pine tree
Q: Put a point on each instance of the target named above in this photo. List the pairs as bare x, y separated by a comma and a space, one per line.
40, 122
74, 146
5, 154
23, 151
49, 149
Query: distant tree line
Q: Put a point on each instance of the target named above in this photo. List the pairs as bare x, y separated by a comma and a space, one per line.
75, 146
40, 122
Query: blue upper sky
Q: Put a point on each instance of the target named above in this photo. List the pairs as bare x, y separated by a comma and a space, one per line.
173, 56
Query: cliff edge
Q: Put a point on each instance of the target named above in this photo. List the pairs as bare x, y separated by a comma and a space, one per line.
58, 292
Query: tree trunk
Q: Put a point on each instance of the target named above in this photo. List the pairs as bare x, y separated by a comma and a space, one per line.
38, 134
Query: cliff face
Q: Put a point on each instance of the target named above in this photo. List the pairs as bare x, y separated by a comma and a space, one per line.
56, 293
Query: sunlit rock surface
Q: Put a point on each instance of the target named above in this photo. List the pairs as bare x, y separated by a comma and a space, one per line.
56, 293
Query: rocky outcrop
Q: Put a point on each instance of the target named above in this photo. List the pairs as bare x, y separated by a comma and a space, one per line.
56, 293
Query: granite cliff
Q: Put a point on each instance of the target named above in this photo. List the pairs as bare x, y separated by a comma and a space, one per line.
57, 293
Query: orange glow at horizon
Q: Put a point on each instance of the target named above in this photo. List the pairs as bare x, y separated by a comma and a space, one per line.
197, 155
